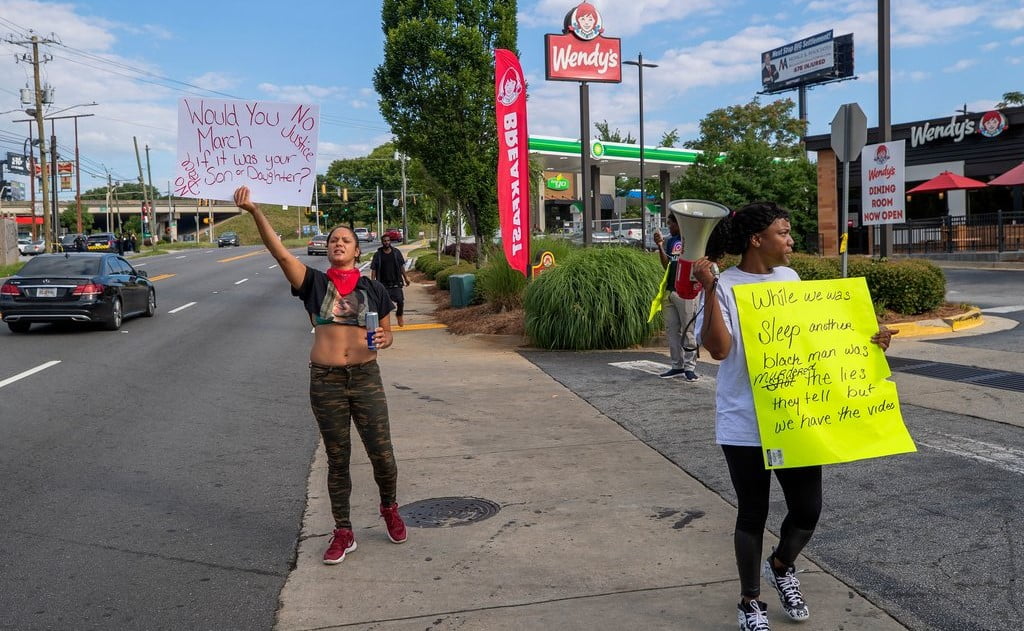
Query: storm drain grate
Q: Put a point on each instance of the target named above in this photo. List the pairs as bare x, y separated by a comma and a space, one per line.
447, 512
1001, 379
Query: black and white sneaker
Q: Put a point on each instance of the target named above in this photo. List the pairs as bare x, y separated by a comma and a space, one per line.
753, 616
788, 587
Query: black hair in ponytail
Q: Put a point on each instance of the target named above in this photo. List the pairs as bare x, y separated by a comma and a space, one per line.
732, 234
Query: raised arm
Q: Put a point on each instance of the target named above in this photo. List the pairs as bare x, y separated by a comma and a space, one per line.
294, 269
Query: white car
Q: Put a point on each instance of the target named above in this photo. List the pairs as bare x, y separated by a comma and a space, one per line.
362, 234
30, 247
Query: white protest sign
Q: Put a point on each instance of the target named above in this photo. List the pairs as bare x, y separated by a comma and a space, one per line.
882, 180
269, 147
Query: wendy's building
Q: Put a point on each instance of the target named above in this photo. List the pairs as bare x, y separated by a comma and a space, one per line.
981, 146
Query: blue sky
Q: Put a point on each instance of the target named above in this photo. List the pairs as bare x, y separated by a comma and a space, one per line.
136, 59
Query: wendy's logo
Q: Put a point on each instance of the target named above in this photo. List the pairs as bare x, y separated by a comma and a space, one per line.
881, 155
511, 87
584, 22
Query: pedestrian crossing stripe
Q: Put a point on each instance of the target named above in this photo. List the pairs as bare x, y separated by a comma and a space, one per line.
1009, 309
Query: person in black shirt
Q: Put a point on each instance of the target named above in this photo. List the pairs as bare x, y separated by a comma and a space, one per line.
388, 267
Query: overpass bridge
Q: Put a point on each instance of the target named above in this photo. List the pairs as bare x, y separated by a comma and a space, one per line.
174, 217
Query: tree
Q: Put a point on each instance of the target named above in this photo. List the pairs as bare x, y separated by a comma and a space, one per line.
669, 138
606, 135
1011, 98
124, 190
754, 153
436, 87
69, 219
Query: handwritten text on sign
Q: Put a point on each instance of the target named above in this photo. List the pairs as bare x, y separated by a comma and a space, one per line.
269, 147
821, 388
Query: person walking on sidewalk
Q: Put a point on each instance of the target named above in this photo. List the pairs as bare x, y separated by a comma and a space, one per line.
679, 311
388, 266
344, 378
760, 234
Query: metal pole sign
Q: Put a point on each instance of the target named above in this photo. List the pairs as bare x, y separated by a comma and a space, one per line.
849, 134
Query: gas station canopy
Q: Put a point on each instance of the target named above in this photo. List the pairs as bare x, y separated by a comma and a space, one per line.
613, 158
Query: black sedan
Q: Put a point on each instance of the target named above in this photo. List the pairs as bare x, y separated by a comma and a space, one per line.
76, 287
228, 238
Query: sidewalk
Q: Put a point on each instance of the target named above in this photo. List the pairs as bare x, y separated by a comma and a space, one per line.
595, 530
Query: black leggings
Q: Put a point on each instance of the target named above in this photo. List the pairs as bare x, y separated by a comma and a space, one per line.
752, 482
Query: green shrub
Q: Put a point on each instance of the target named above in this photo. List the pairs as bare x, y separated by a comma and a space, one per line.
499, 284
599, 298
430, 264
908, 287
561, 248
462, 268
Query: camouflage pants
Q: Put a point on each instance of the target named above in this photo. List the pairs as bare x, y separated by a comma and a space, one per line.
338, 394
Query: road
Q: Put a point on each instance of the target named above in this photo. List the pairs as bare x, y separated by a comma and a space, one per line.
155, 478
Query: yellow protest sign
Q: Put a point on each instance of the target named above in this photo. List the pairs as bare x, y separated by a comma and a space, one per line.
821, 388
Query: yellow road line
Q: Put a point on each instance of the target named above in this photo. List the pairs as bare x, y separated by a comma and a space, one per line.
243, 256
161, 277
419, 327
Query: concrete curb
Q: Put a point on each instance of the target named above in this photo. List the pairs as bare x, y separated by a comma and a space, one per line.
939, 326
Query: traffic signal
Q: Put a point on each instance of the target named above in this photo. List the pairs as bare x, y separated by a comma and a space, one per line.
344, 194
323, 188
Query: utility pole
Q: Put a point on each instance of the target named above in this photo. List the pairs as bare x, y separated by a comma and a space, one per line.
152, 208
142, 183
40, 97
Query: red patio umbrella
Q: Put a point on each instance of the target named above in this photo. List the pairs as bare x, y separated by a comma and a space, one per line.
947, 181
1013, 177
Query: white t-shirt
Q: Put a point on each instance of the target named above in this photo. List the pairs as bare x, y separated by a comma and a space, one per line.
735, 421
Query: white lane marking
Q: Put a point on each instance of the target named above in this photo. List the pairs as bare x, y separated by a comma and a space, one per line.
180, 257
643, 365
138, 264
241, 281
363, 266
272, 266
1010, 309
28, 373
1005, 458
181, 308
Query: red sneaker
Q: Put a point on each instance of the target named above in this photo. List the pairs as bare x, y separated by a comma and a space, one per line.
342, 543
394, 523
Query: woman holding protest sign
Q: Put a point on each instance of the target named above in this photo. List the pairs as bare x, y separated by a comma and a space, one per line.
344, 384
760, 234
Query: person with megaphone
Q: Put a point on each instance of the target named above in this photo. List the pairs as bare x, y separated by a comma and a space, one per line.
760, 234
678, 310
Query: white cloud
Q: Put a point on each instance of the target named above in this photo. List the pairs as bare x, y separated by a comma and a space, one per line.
215, 81
990, 46
1010, 20
961, 65
298, 93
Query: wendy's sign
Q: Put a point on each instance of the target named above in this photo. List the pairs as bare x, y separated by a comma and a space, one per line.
581, 52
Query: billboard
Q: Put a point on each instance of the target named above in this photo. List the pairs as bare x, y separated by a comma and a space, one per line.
816, 59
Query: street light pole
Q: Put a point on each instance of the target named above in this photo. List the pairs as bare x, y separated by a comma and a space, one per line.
405, 222
640, 65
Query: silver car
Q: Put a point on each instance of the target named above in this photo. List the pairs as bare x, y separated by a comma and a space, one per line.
30, 247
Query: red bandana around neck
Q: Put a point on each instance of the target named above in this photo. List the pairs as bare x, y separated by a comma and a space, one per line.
344, 279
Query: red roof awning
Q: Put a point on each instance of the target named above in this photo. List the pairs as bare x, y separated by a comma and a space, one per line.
28, 221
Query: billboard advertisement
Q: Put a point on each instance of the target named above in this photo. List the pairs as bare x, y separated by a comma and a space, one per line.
814, 59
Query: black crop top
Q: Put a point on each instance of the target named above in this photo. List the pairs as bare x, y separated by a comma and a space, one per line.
326, 306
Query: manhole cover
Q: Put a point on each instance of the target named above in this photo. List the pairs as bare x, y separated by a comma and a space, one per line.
445, 512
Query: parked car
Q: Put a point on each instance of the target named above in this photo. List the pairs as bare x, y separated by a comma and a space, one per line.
30, 247
395, 234
67, 242
362, 234
628, 229
102, 242
317, 245
228, 238
83, 287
